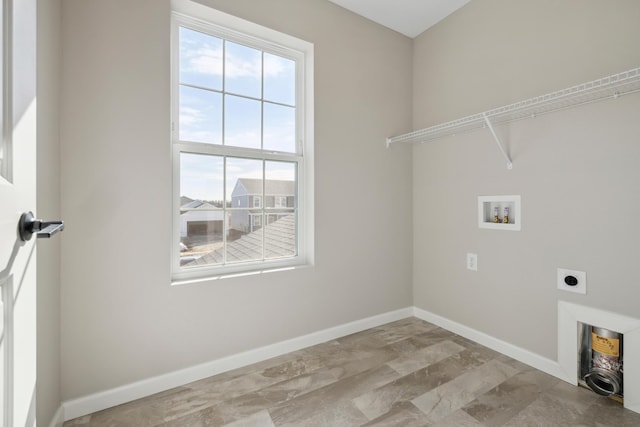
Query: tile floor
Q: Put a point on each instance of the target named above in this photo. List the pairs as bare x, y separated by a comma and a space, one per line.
406, 373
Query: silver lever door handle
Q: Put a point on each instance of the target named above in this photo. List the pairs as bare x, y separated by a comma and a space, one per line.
29, 225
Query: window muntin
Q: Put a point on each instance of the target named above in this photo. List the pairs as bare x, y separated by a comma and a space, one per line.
237, 117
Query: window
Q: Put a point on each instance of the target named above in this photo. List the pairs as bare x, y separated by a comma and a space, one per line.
257, 221
281, 202
240, 134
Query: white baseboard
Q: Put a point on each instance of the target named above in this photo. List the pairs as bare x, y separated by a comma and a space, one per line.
58, 418
549, 366
96, 402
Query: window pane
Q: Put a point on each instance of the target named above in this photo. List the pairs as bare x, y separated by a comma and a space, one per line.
280, 234
279, 79
280, 222
200, 60
243, 70
248, 247
201, 178
279, 128
202, 241
281, 171
200, 115
280, 186
242, 122
244, 180
244, 184
202, 221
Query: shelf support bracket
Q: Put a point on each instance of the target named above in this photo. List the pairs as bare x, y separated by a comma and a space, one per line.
495, 136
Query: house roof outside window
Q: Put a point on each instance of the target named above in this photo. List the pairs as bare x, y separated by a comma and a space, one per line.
279, 242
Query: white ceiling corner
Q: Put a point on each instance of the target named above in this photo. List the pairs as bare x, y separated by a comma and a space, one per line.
409, 17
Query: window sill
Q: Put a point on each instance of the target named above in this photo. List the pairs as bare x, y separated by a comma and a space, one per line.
240, 274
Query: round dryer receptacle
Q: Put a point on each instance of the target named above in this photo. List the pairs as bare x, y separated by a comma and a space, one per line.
571, 280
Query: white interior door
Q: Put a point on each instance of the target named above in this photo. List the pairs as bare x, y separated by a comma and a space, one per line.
17, 195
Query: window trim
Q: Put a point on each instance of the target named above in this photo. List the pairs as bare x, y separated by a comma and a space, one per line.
206, 19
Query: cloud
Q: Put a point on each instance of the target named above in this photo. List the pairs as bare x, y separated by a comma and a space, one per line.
209, 60
194, 126
237, 67
204, 54
275, 66
203, 61
190, 116
200, 53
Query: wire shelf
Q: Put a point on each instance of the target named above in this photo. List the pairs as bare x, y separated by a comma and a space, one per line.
597, 90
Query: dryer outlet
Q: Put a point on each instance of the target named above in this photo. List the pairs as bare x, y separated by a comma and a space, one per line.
572, 281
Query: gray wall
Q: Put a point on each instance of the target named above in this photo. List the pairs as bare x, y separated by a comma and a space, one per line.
577, 170
121, 319
48, 396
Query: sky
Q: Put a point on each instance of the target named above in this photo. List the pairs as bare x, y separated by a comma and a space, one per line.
256, 110
201, 175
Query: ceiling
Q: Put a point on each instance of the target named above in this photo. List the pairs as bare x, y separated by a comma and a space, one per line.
409, 17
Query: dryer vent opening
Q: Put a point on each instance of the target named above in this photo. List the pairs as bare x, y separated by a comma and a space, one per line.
601, 361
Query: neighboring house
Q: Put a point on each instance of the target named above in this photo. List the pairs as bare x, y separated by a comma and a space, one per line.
278, 199
279, 242
198, 218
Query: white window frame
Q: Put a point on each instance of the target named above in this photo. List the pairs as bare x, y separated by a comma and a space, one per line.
203, 18
257, 202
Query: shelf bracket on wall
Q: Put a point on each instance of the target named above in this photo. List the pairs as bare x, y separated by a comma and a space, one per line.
495, 137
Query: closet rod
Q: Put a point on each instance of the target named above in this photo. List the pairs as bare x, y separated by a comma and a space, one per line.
607, 87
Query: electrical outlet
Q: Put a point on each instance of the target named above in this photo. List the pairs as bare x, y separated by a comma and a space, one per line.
472, 262
572, 281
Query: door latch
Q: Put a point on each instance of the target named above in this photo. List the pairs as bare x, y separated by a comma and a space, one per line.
43, 229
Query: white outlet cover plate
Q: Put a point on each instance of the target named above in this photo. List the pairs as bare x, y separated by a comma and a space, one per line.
580, 288
472, 262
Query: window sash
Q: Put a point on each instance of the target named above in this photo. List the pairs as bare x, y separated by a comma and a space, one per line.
182, 273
